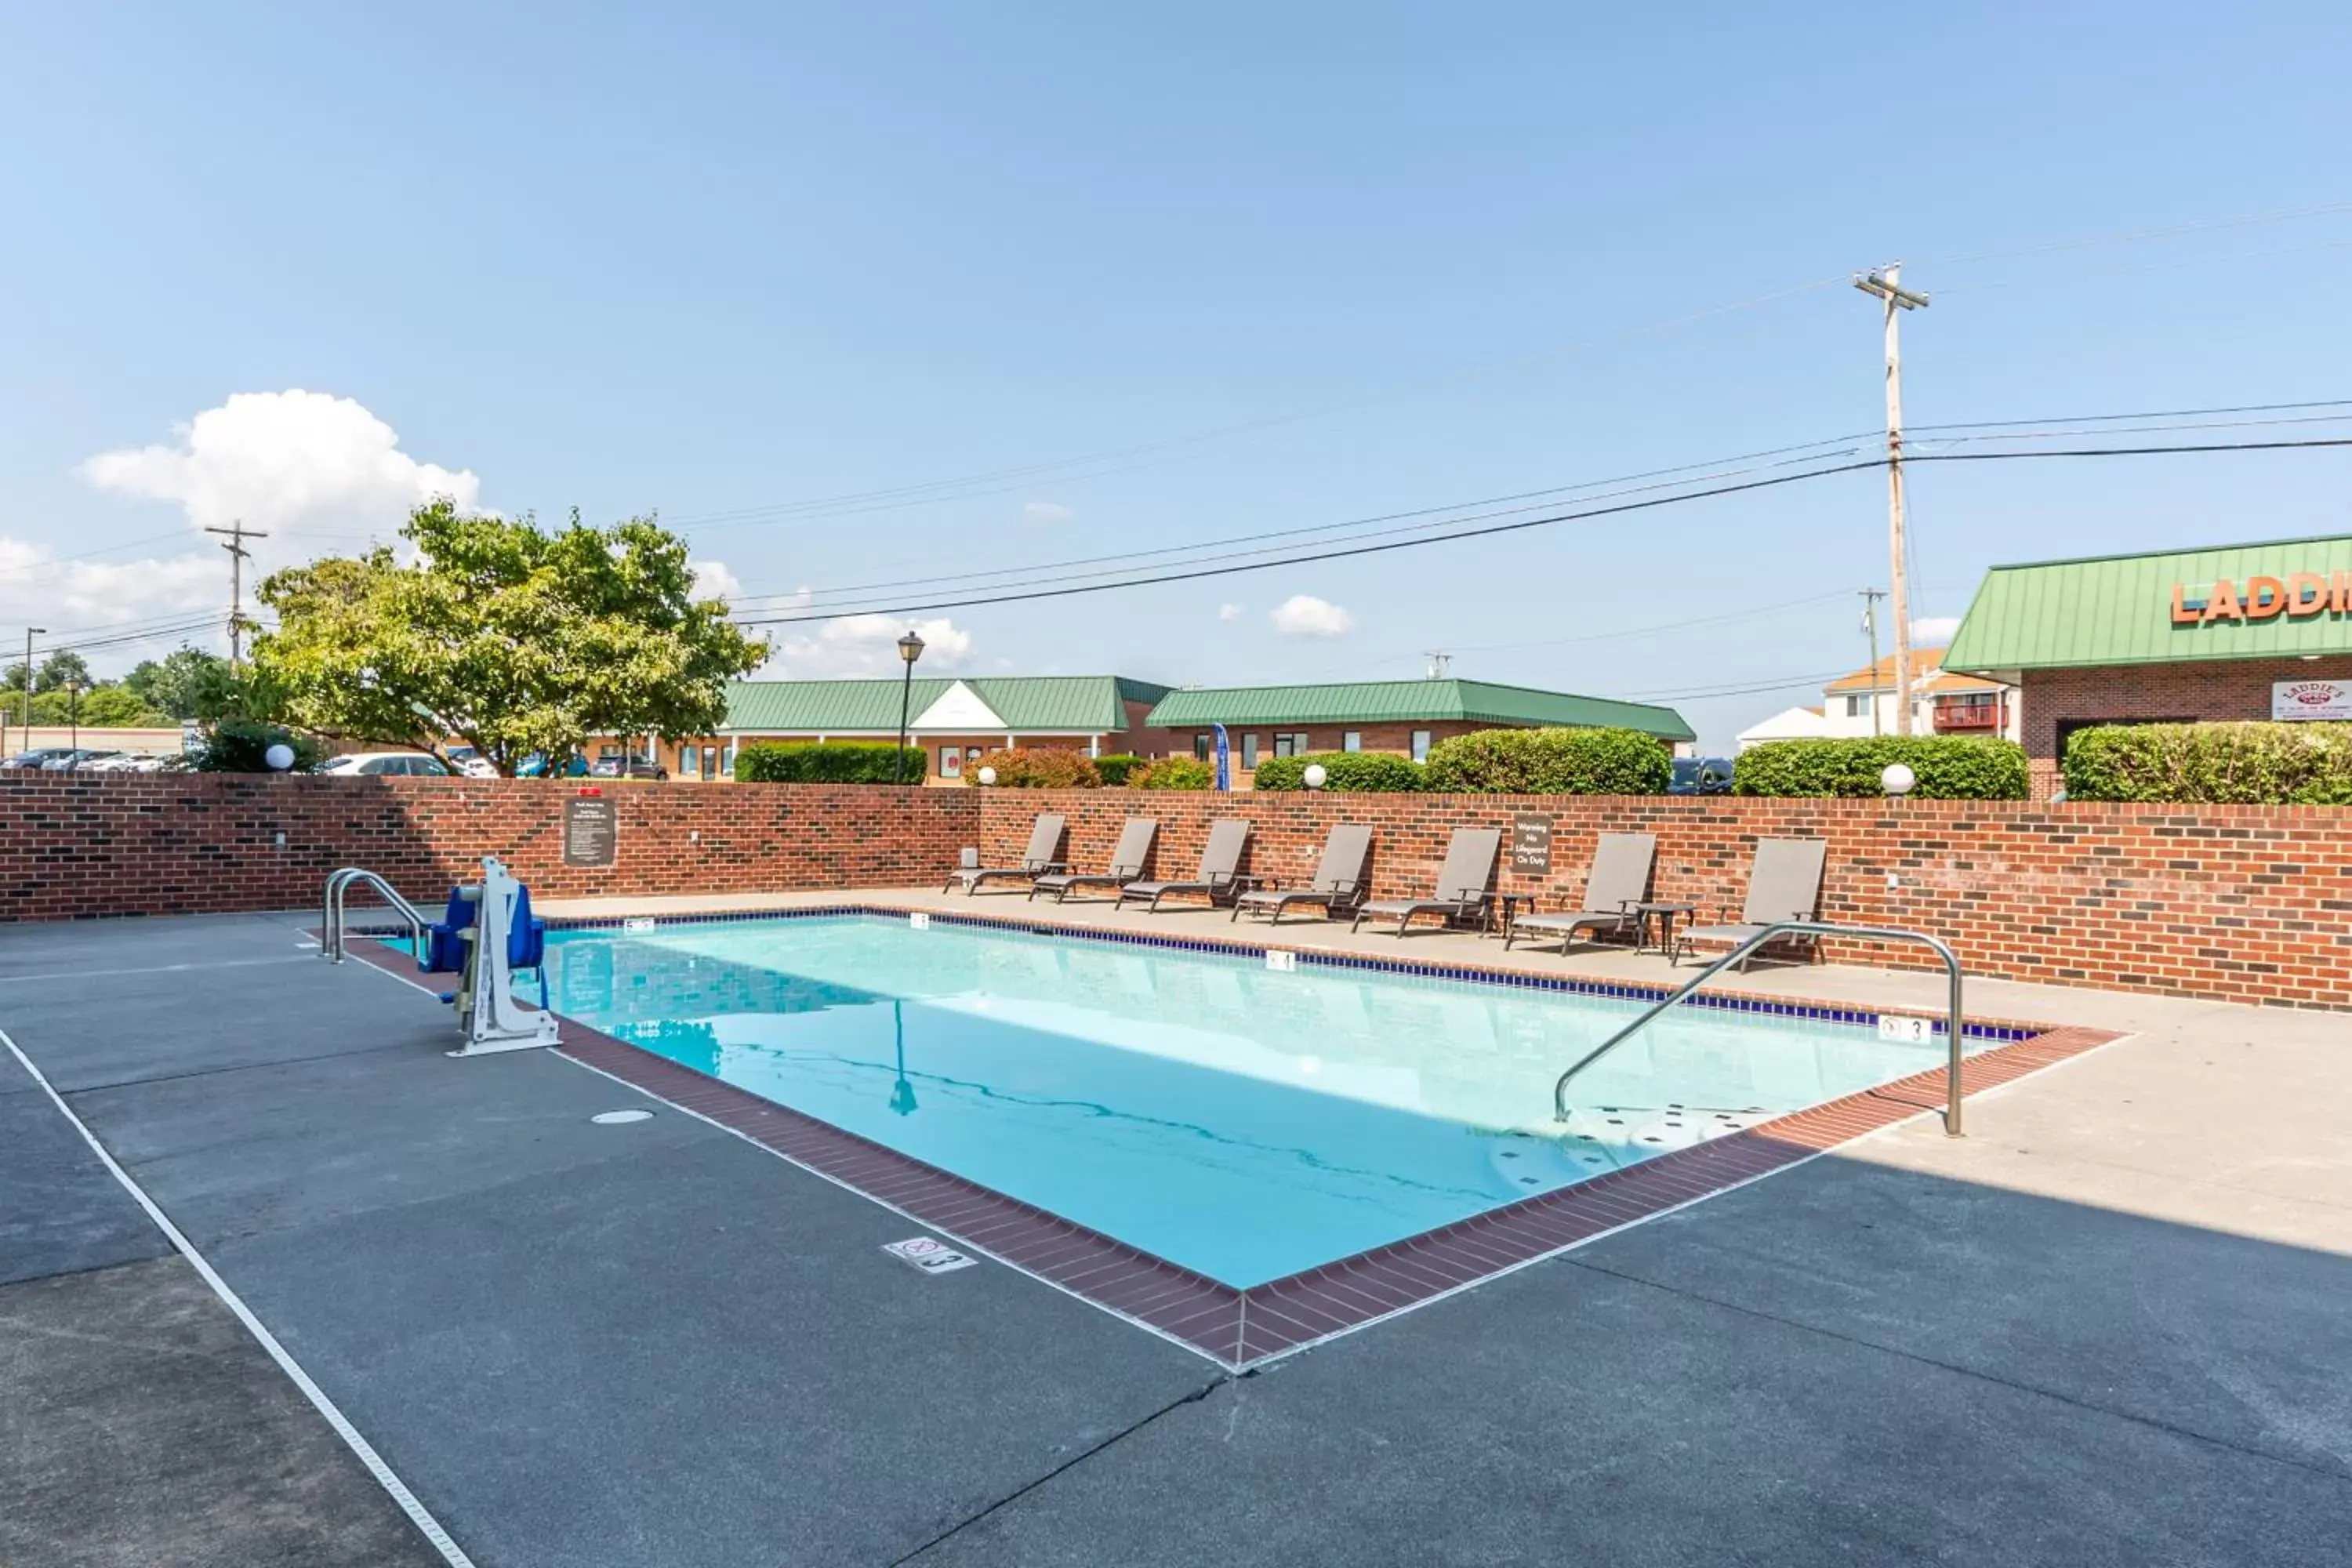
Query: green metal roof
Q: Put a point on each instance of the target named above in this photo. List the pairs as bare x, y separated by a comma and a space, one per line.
1081, 704
2117, 609
1396, 702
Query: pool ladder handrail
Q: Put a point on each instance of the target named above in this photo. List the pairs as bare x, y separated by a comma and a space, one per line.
330, 909
1795, 928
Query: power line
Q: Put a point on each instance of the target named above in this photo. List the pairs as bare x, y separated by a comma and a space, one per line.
2143, 413
1768, 482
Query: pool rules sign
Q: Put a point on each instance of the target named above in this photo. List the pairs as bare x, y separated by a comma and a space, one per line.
592, 831
1532, 846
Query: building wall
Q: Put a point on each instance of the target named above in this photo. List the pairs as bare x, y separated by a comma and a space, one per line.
2238, 903
2239, 689
75, 846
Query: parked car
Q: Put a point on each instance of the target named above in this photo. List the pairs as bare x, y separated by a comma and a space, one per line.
77, 759
627, 768
471, 763
534, 766
121, 762
1701, 776
39, 757
372, 764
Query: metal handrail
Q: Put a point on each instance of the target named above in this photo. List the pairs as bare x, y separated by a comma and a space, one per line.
1794, 927
330, 909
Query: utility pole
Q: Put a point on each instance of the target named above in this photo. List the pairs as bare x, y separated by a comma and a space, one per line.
1870, 597
237, 535
1886, 283
29, 633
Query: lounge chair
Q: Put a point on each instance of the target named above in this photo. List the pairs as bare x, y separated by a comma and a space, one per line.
1221, 860
1338, 885
1784, 884
1460, 882
1620, 879
1127, 861
1044, 842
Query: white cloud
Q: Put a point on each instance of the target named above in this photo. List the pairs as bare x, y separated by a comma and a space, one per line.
1048, 511
1229, 612
716, 580
78, 600
276, 459
1305, 616
862, 645
1934, 631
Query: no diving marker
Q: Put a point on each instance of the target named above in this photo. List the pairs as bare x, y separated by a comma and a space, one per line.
1910, 1031
930, 1257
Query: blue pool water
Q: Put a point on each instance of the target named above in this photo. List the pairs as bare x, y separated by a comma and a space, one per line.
1242, 1122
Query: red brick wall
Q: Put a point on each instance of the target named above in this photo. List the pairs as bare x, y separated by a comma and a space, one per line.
2246, 904
75, 846
2230, 689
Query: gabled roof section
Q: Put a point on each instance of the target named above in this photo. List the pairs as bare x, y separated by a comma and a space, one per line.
958, 708
2118, 609
1018, 704
1928, 676
1397, 701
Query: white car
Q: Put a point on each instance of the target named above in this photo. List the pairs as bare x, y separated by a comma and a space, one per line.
376, 763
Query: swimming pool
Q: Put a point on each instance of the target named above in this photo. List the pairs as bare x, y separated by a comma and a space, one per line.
1244, 1124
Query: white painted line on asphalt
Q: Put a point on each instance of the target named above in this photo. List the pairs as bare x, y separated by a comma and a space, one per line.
151, 969
418, 1514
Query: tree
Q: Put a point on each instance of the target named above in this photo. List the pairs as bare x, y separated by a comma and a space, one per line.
119, 707
62, 668
515, 639
187, 683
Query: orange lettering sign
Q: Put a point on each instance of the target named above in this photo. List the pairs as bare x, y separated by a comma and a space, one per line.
2266, 597
2222, 606
2185, 614
2307, 593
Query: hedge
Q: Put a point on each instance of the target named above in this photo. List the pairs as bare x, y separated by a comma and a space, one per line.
828, 761
1175, 773
1346, 773
2220, 764
1113, 770
1550, 761
1946, 767
1047, 767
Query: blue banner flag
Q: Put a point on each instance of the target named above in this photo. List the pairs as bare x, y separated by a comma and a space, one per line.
1224, 761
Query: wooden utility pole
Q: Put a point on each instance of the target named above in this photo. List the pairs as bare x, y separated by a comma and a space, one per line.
1886, 283
1870, 597
237, 535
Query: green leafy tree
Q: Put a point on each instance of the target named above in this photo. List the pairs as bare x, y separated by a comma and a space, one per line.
187, 683
516, 639
119, 707
63, 669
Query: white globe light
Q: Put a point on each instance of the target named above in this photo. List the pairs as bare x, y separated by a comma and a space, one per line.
1314, 776
279, 756
988, 775
1896, 779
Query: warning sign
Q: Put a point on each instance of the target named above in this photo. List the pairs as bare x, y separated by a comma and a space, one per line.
930, 1257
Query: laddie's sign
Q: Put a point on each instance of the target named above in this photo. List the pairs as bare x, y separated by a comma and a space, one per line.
2294, 700
2298, 596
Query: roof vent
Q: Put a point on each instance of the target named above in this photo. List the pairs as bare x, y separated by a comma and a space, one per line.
1440, 665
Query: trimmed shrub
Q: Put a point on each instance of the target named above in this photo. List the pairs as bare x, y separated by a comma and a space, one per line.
1175, 773
829, 762
1550, 761
1114, 769
2219, 764
1346, 773
1045, 768
1947, 767
242, 746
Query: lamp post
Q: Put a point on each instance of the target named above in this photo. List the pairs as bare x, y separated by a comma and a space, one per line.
910, 649
30, 633
73, 714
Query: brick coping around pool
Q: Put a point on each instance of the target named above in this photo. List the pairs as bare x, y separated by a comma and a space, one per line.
1242, 1329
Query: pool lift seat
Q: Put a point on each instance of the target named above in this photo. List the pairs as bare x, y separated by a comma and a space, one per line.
487, 934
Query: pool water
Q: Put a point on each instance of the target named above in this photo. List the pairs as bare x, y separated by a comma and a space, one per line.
1242, 1122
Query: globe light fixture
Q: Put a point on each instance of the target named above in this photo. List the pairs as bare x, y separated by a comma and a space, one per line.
1897, 780
1315, 777
988, 775
279, 757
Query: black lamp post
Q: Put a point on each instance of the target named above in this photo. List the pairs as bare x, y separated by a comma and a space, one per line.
73, 714
910, 649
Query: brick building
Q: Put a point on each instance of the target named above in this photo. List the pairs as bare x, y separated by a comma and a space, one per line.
2247, 631
1405, 717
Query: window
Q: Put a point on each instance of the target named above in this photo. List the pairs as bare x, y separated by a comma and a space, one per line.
710, 761
1249, 752
1204, 747
1291, 745
1353, 741
950, 762
1420, 745
1853, 705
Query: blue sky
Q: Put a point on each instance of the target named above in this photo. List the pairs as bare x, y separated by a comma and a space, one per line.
707, 259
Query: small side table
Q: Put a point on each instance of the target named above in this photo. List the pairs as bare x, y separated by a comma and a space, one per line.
1502, 909
1664, 915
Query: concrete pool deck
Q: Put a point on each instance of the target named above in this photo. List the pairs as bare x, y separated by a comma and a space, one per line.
2106, 1327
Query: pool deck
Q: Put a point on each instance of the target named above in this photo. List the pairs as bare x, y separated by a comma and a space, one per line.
2107, 1327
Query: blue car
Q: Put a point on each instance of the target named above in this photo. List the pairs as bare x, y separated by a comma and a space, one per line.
1701, 776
